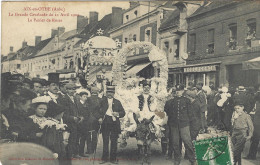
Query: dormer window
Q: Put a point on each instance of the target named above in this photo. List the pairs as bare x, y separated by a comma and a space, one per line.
148, 36
135, 13
134, 37
127, 17
126, 40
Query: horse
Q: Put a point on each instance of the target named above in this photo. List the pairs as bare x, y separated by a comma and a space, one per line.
144, 137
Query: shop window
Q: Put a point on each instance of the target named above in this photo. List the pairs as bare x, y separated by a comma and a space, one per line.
134, 37
233, 36
251, 31
177, 51
192, 44
211, 45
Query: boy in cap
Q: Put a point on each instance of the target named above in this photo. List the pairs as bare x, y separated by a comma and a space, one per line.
180, 115
83, 109
112, 110
93, 120
242, 131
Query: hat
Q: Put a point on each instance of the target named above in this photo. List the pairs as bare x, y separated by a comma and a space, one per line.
41, 99
179, 87
199, 86
111, 89
53, 78
241, 88
71, 86
145, 83
26, 94
95, 89
239, 103
191, 94
82, 91
17, 78
28, 81
38, 80
63, 83
54, 109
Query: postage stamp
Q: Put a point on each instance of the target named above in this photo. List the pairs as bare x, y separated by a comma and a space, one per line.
213, 151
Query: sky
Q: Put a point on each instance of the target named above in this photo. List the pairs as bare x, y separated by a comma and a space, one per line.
20, 20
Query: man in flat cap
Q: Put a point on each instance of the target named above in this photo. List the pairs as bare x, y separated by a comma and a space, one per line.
112, 110
180, 115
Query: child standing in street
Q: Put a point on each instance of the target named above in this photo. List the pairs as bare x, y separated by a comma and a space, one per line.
242, 131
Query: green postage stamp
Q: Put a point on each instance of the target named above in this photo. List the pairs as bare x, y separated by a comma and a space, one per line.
213, 151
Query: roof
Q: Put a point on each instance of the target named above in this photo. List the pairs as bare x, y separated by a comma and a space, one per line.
91, 29
51, 46
172, 20
211, 6
38, 48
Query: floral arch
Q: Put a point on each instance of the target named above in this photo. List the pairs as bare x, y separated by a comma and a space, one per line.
156, 56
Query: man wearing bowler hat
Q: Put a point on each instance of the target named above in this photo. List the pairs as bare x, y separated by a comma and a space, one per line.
179, 114
112, 110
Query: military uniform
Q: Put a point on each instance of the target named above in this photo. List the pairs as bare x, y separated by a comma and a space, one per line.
179, 114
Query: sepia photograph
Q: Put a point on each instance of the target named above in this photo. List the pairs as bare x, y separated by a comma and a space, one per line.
130, 82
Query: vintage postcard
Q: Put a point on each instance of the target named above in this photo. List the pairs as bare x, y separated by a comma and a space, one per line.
130, 82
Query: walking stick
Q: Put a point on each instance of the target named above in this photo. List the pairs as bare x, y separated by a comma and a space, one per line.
95, 150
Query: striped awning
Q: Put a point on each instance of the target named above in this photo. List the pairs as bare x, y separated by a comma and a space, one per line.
136, 69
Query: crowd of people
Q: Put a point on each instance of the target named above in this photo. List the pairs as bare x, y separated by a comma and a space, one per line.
64, 117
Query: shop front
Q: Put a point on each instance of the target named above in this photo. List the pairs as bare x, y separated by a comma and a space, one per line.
175, 76
203, 74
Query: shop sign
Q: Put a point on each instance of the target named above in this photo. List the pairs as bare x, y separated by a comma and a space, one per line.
200, 69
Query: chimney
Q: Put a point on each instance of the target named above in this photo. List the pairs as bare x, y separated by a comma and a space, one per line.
54, 32
93, 17
24, 44
11, 49
38, 39
117, 17
132, 4
81, 22
61, 30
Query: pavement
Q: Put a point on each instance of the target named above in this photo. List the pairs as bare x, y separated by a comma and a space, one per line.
128, 155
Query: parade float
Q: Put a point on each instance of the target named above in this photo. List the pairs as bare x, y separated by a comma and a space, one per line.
99, 52
128, 89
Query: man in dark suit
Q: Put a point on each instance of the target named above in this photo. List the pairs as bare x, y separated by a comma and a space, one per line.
112, 110
72, 118
180, 115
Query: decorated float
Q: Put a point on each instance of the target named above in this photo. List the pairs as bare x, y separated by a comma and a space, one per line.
100, 52
128, 89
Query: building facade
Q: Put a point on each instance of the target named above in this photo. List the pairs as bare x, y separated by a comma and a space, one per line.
140, 23
221, 37
173, 38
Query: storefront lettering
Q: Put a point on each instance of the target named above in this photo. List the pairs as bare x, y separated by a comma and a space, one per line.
200, 69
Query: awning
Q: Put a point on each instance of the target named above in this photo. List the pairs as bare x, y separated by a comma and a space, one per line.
253, 64
137, 68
